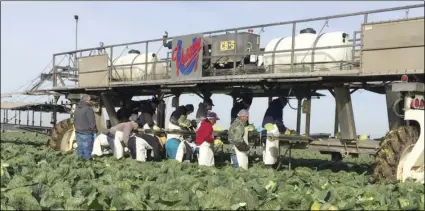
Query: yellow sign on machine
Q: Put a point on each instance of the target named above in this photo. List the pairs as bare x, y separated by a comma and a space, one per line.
227, 45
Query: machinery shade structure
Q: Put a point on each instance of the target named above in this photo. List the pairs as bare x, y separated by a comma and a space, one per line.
385, 57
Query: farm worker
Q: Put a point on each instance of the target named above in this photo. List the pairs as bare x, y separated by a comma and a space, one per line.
205, 140
148, 110
237, 136
145, 147
123, 114
171, 146
85, 126
121, 133
179, 121
102, 140
245, 103
274, 113
185, 151
203, 110
273, 119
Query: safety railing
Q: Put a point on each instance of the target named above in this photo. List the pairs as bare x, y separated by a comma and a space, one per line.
354, 45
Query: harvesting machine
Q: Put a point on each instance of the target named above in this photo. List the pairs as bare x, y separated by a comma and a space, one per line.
385, 57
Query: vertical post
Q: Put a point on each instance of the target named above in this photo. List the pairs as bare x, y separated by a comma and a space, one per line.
112, 65
161, 114
146, 60
299, 115
28, 117
33, 118
294, 28
345, 113
235, 51
19, 116
336, 121
307, 110
365, 18
54, 120
4, 116
353, 53
106, 102
55, 80
15, 117
41, 121
166, 66
76, 33
7, 116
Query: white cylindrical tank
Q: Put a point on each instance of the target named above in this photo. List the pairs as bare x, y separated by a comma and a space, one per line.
135, 71
325, 59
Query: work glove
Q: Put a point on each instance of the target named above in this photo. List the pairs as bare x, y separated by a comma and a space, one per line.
186, 124
250, 127
289, 132
218, 142
156, 128
242, 146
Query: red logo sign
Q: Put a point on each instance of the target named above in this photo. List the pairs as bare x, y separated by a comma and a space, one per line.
186, 59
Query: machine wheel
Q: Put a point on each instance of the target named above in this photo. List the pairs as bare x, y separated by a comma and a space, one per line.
63, 136
391, 153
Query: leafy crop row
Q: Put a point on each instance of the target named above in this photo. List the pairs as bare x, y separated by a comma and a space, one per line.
34, 177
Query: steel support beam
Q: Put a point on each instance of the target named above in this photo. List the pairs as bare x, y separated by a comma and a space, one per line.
106, 102
299, 110
394, 121
345, 113
307, 111
160, 117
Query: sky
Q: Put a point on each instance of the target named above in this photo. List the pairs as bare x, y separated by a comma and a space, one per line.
32, 31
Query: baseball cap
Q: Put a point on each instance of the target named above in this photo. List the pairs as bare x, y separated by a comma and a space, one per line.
243, 112
211, 115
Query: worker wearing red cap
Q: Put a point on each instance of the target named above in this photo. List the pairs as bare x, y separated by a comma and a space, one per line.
205, 140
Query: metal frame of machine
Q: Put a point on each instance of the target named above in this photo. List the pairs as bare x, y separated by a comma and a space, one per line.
385, 52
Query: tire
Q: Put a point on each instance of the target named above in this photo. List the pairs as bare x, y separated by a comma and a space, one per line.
390, 153
62, 130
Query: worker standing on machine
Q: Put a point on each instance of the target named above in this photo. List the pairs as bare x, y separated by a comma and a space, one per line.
236, 137
205, 140
179, 121
148, 110
274, 113
203, 110
85, 126
273, 116
245, 103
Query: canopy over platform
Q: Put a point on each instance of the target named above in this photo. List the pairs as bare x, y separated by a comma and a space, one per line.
40, 107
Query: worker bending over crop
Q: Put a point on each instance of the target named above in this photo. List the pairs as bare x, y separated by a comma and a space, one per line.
203, 110
179, 121
145, 147
245, 103
236, 135
85, 126
274, 117
119, 136
205, 140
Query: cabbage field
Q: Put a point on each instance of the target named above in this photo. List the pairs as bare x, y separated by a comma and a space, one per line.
34, 177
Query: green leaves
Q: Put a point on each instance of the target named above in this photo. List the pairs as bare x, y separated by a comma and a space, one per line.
40, 178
